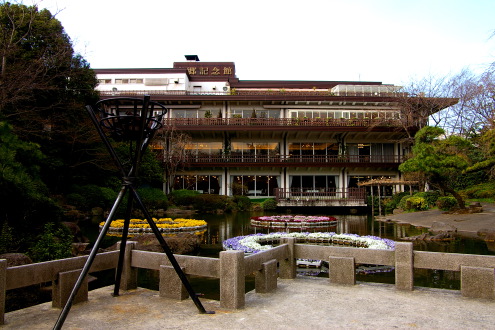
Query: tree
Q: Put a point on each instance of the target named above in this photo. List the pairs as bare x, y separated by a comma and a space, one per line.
35, 52
486, 144
47, 140
175, 153
441, 160
44, 87
475, 110
23, 194
423, 100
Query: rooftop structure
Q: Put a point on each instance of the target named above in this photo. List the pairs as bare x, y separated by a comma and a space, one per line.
305, 143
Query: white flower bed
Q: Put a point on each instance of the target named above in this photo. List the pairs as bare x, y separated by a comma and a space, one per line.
253, 243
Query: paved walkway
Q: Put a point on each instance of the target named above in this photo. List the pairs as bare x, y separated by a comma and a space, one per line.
302, 303
467, 225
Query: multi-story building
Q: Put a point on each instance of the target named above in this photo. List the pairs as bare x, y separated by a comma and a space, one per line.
301, 142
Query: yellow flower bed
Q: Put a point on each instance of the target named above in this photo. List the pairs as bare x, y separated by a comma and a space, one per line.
162, 223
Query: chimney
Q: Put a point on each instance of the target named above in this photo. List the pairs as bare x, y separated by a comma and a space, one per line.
192, 58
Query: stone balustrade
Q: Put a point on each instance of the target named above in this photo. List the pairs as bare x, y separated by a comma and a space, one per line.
231, 268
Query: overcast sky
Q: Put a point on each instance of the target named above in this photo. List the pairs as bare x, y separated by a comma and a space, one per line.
392, 41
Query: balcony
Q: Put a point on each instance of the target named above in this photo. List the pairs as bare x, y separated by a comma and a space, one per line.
320, 197
294, 161
233, 124
246, 92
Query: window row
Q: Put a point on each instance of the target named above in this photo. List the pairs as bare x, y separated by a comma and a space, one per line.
294, 114
294, 148
343, 114
265, 185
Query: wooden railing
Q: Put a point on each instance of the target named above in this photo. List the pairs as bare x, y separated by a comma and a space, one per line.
248, 92
319, 196
284, 122
291, 160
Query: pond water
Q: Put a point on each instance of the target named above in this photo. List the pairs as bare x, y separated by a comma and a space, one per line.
223, 226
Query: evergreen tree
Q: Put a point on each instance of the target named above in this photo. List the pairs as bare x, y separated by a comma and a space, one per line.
441, 160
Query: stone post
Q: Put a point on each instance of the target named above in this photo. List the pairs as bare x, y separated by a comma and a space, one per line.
232, 279
288, 266
63, 286
342, 270
404, 266
129, 277
478, 282
266, 278
170, 283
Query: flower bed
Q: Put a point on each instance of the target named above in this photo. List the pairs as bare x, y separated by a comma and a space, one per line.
259, 242
293, 221
165, 225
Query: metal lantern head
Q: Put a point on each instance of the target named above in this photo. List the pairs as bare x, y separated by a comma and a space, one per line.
128, 119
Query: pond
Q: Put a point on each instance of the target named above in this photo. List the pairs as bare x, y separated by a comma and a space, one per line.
223, 226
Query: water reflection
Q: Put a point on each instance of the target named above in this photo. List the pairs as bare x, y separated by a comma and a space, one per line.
224, 226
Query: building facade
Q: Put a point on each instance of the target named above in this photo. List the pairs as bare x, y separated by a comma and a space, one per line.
305, 143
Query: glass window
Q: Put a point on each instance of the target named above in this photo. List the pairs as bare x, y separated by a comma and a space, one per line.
205, 148
205, 184
255, 148
314, 183
179, 114
254, 185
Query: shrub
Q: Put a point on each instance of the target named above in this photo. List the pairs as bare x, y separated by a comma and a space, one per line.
416, 203
269, 204
403, 201
377, 204
55, 242
89, 196
6, 238
485, 190
183, 197
243, 203
446, 203
413, 203
394, 202
153, 198
210, 203
430, 197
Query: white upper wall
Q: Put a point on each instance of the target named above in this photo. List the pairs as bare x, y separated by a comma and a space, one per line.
136, 81
157, 81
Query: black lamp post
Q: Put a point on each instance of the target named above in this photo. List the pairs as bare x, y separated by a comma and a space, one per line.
134, 121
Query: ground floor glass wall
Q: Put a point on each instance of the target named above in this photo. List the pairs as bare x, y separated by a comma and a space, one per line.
254, 185
313, 183
205, 184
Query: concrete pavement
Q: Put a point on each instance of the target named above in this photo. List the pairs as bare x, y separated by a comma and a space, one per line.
302, 303
467, 225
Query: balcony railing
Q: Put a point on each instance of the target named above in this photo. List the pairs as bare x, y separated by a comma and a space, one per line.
250, 92
319, 196
284, 122
291, 160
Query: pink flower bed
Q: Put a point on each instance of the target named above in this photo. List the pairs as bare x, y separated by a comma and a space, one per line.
294, 218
